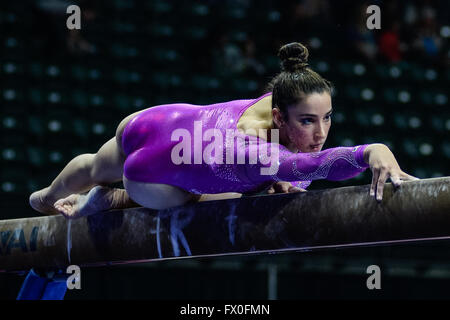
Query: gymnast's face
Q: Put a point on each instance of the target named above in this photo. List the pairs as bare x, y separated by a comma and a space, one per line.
307, 124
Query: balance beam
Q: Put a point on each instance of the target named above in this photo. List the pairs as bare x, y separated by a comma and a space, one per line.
333, 218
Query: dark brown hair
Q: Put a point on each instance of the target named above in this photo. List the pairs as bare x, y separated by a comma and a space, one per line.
296, 80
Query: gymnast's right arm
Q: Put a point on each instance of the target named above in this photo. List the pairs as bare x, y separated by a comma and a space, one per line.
337, 164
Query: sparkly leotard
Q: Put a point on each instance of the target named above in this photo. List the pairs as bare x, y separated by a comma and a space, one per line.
151, 140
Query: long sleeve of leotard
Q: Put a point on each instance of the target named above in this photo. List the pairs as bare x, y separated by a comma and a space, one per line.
338, 163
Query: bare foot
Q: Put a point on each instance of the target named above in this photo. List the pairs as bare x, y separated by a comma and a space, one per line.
37, 203
79, 205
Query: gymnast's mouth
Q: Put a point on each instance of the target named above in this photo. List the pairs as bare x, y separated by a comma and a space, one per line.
316, 147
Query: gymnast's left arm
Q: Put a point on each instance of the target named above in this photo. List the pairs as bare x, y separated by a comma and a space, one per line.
218, 196
285, 187
277, 187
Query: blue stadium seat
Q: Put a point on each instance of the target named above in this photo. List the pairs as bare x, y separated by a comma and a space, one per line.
14, 180
12, 123
37, 156
160, 6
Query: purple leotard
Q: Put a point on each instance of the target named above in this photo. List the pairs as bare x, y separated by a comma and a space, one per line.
147, 143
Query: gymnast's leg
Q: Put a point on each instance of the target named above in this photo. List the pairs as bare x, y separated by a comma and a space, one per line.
84, 172
150, 195
80, 175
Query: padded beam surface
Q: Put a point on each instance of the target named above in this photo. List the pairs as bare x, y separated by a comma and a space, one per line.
418, 211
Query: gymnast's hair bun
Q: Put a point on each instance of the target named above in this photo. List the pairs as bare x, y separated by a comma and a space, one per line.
294, 57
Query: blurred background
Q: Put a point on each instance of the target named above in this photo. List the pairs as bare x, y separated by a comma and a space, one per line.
63, 92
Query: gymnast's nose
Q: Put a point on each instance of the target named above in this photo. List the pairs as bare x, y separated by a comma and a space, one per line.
320, 133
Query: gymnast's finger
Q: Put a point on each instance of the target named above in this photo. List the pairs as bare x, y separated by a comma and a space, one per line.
380, 184
396, 181
285, 187
296, 189
281, 187
373, 186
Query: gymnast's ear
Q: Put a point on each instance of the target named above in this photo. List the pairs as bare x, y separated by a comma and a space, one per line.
277, 117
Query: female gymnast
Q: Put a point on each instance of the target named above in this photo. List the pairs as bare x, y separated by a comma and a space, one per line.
297, 107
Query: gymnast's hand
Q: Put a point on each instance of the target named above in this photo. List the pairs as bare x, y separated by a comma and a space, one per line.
283, 187
384, 166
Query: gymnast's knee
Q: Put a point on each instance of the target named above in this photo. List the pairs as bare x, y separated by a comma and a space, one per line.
103, 174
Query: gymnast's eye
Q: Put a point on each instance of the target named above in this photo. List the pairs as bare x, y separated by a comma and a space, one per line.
328, 117
306, 121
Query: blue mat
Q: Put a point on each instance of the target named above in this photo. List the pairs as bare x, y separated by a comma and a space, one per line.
36, 287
